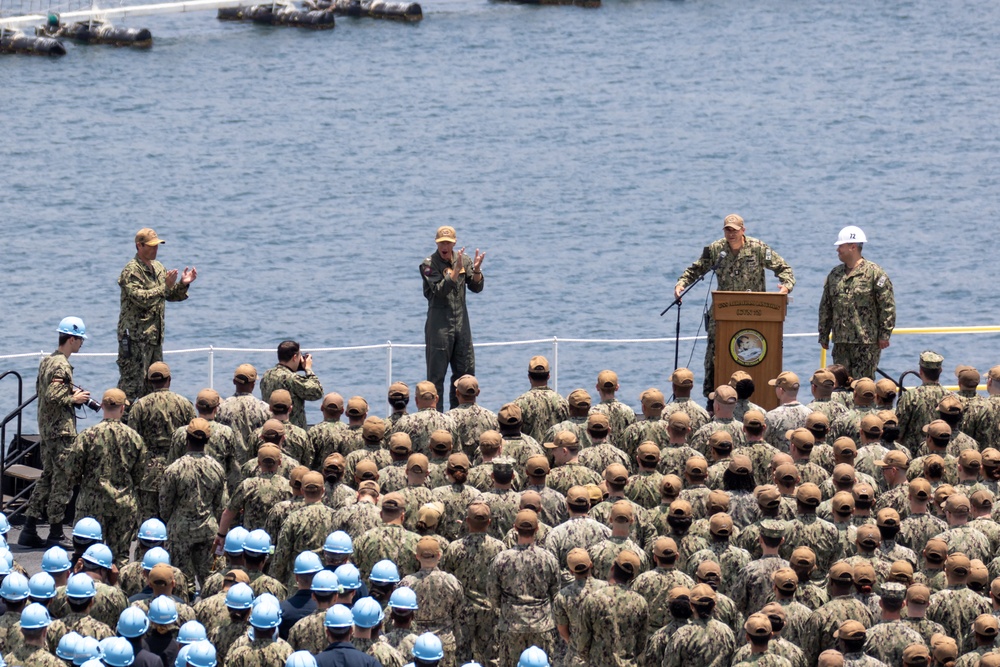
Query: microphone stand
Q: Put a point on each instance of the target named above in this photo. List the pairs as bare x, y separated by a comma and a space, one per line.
677, 302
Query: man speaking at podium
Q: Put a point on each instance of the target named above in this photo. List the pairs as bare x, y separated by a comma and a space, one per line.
739, 262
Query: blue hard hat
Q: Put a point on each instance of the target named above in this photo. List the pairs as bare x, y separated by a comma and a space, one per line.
42, 586
14, 587
301, 659
80, 585
338, 542
257, 542
162, 611
326, 581
153, 530
235, 539
88, 528
191, 632
100, 555
307, 562
404, 597
118, 652
7, 556
154, 557
35, 616
201, 654
338, 616
92, 662
66, 649
4, 524
367, 613
86, 648
348, 576
182, 656
533, 657
265, 615
384, 572
73, 326
428, 647
55, 560
472, 664
266, 597
132, 622
239, 596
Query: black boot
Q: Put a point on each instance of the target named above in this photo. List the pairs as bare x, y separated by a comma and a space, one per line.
56, 536
29, 536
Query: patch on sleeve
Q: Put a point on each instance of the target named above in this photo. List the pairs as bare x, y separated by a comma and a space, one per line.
881, 281
767, 255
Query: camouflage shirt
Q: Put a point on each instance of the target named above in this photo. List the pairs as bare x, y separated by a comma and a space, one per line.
654, 586
296, 445
598, 457
106, 460
967, 540
244, 413
741, 271
254, 498
260, 652
620, 416
653, 429
568, 475
698, 415
567, 607
157, 415
603, 555
916, 529
144, 292
522, 583
644, 488
782, 419
325, 438
32, 656
305, 387
442, 601
753, 588
309, 633
305, 530
468, 559
700, 643
887, 640
699, 440
612, 627
456, 499
192, 495
916, 408
471, 421
504, 505
554, 510
387, 542
956, 608
829, 407
745, 658
821, 536
731, 559
56, 412
224, 445
582, 532
541, 408
857, 306
827, 619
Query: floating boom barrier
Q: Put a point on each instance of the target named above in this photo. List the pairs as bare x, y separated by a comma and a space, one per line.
101, 32
280, 15
377, 9
13, 40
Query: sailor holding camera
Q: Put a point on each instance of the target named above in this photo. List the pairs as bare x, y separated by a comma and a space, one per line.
285, 375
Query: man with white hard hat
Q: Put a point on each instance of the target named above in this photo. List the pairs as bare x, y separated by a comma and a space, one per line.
857, 307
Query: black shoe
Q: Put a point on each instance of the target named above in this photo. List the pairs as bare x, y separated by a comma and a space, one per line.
31, 539
56, 536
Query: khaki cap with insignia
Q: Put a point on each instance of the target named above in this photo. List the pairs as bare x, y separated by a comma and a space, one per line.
114, 398
802, 438
441, 441
312, 481
868, 536
393, 502
937, 429
478, 514
732, 221
758, 625
366, 469
417, 462
918, 594
652, 398
161, 574
598, 424
207, 400
664, 547
721, 440
526, 520
578, 561
579, 398
737, 377
333, 403
871, 425
538, 364
917, 655
426, 390
509, 415
445, 234
245, 374
280, 397
373, 430
400, 443
785, 580
399, 390
467, 385
616, 474
723, 394
850, 630
720, 524
682, 377
648, 452
158, 371
740, 465
863, 492
785, 380
864, 390
808, 494
272, 428
754, 418
578, 497
537, 466
607, 379
893, 458
950, 405
823, 378
628, 562
428, 547
147, 236
357, 406
679, 421
335, 462
199, 429
930, 360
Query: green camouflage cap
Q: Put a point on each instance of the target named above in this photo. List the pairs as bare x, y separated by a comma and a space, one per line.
930, 359
893, 591
772, 528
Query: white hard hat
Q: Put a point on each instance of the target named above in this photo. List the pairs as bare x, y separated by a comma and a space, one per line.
851, 234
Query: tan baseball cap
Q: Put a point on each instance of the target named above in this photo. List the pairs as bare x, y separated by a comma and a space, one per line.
703, 593
207, 400
732, 221
537, 466
426, 390
579, 398
578, 561
754, 418
758, 625
564, 439
312, 481
366, 469
269, 453
830, 658
417, 463
864, 388
114, 397
245, 374
885, 388
682, 377
718, 501
785, 580
509, 415
958, 564
723, 394
769, 497
578, 497
785, 380
670, 486
935, 551
664, 547
652, 398
531, 500
400, 443
721, 440
970, 459
616, 474
815, 421
887, 517
478, 514
373, 430
399, 390
441, 441
787, 473
737, 377
526, 520
919, 488
598, 423
467, 385
802, 438
696, 466
161, 574
957, 503
893, 458
808, 494
607, 379
272, 428
804, 557
648, 453
842, 503
823, 378
680, 508
917, 655
428, 547
147, 236
902, 572
740, 465
158, 371
938, 429
538, 364
628, 562
679, 421
871, 425
844, 473
200, 429
850, 630
445, 234
280, 397
393, 502
721, 524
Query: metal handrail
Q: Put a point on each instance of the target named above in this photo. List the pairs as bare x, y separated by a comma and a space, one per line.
5, 462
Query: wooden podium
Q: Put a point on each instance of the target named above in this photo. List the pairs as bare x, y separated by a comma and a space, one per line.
748, 337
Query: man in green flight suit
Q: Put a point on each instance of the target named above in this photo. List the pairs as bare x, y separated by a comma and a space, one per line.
858, 306
447, 334
739, 262
145, 288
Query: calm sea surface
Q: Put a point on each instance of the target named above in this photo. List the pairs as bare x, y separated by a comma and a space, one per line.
590, 153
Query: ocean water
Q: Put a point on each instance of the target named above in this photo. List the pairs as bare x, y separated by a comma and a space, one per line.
590, 153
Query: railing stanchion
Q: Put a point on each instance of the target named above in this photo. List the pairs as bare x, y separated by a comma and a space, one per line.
211, 367
388, 371
555, 364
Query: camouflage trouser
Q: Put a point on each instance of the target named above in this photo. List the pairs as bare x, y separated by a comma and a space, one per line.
476, 636
149, 489
49, 498
512, 644
118, 523
132, 367
193, 559
860, 360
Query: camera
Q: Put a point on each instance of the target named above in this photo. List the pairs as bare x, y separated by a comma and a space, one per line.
93, 405
302, 362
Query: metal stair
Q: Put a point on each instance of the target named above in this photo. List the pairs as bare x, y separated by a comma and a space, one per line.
20, 462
